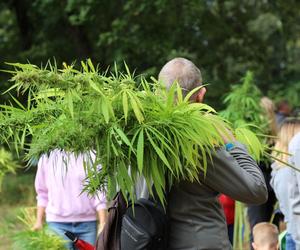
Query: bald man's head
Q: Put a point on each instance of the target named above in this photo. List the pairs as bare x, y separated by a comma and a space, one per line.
183, 71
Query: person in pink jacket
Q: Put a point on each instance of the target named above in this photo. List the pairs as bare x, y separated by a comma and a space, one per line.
59, 183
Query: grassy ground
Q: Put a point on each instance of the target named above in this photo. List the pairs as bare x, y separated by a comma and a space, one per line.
17, 193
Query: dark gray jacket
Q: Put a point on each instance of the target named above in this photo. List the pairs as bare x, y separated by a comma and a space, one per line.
196, 218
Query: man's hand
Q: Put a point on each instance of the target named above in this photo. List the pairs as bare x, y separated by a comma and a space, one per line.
226, 135
102, 216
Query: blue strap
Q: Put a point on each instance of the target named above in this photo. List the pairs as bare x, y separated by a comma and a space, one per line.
229, 146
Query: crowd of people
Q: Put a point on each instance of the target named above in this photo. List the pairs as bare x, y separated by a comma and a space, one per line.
281, 174
195, 212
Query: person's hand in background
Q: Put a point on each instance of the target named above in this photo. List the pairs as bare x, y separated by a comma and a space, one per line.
39, 219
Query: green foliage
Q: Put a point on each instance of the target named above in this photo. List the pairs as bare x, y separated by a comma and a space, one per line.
120, 117
256, 145
243, 110
7, 164
27, 239
243, 103
245, 113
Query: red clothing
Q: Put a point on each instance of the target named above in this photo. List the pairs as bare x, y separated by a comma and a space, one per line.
228, 206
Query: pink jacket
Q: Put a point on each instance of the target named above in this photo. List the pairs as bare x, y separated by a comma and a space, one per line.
59, 182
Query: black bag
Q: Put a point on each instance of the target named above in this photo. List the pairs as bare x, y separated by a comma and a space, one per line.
109, 238
144, 226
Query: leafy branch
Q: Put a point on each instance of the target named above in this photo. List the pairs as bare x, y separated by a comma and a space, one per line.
134, 125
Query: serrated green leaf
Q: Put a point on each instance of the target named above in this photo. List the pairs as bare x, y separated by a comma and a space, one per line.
136, 109
105, 110
89, 61
140, 151
125, 105
159, 152
84, 66
95, 87
123, 136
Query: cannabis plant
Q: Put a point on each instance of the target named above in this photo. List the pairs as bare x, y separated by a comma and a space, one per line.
246, 115
134, 126
243, 104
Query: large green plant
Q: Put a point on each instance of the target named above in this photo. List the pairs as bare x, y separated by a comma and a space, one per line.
135, 126
246, 115
243, 104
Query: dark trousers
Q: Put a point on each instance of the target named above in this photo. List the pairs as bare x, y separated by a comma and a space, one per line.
230, 232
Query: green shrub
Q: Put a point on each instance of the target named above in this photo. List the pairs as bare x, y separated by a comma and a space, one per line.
26, 239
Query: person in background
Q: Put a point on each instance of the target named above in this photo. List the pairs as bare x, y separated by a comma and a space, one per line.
294, 150
263, 212
196, 219
265, 236
269, 109
228, 205
286, 181
59, 183
283, 111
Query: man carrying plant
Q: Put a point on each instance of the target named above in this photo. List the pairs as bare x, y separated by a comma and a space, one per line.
196, 216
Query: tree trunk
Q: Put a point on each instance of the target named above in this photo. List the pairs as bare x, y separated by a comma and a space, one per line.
21, 9
81, 40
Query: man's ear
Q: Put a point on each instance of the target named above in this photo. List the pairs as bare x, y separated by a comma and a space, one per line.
201, 94
254, 245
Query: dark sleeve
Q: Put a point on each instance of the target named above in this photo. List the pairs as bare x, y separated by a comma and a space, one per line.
237, 175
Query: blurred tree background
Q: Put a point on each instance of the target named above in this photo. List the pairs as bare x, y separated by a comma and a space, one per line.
224, 38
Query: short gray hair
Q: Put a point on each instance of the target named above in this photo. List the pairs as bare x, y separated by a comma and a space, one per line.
183, 71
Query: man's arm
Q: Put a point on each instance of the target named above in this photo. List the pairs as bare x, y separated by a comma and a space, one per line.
102, 214
100, 206
237, 175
